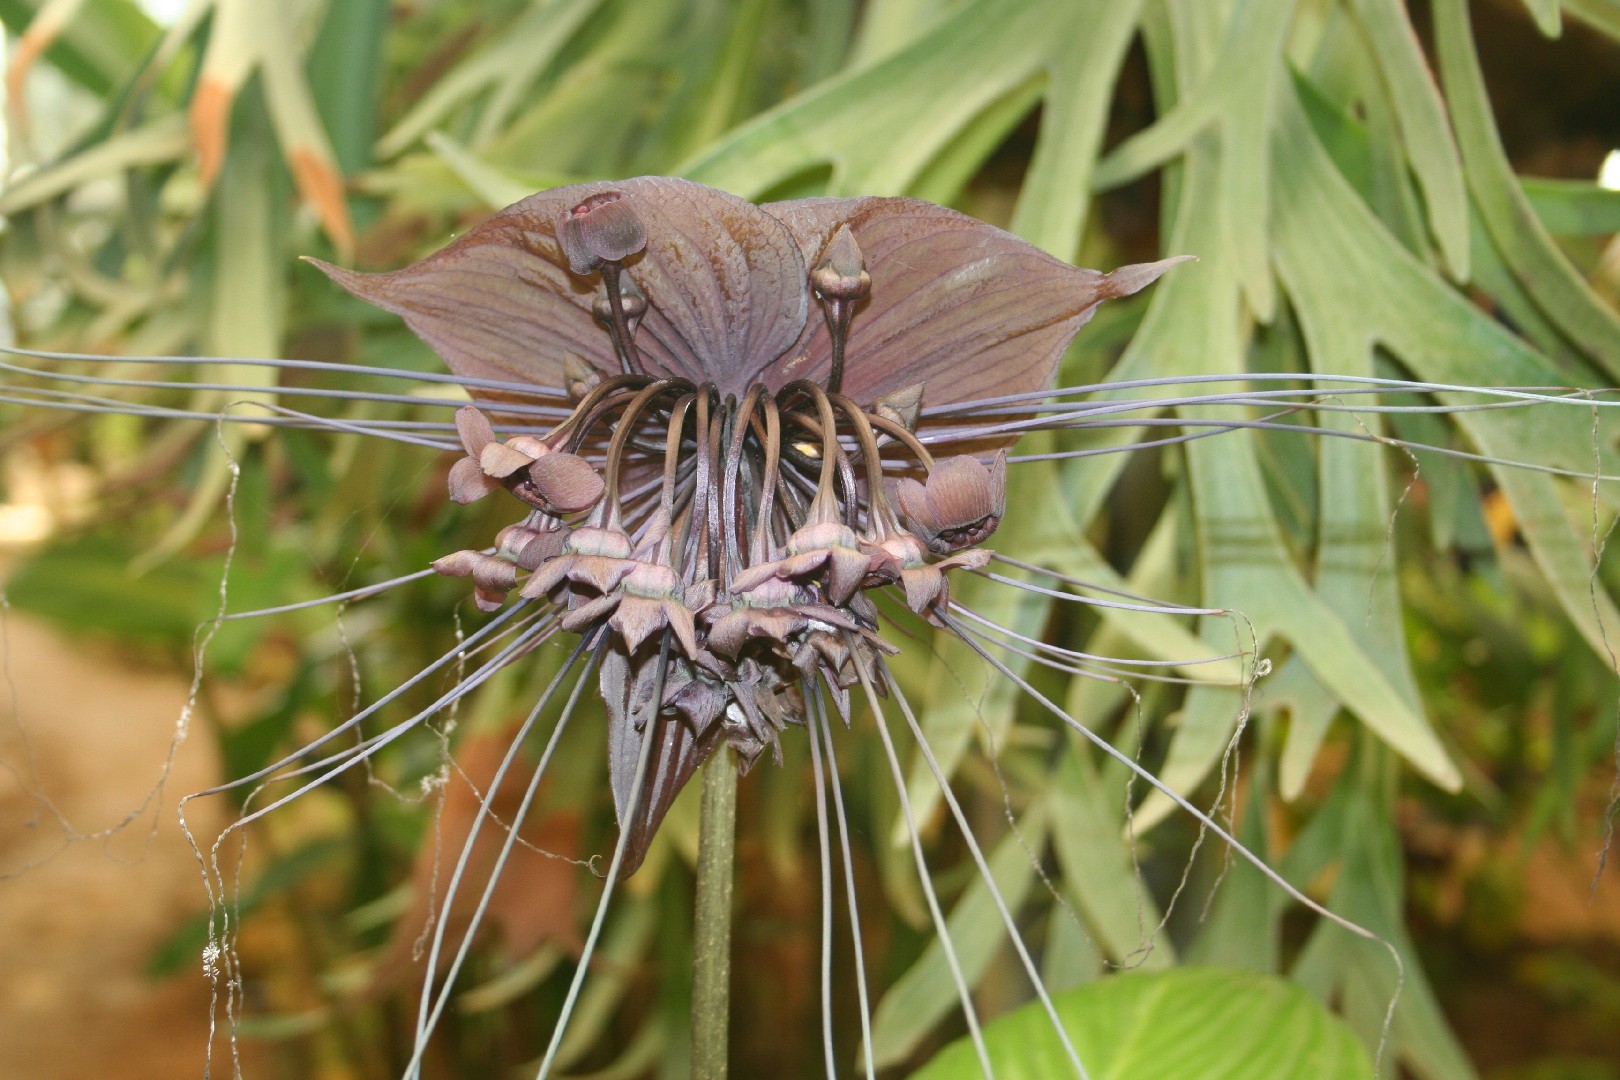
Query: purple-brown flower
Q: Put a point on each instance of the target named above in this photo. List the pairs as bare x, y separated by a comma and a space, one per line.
749, 395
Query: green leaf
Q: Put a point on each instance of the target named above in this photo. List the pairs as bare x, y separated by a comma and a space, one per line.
1573, 207
344, 66
1236, 93
880, 127
1099, 866
88, 585
1547, 275
1546, 14
1425, 133
160, 141
1052, 203
1374, 292
1603, 14
1208, 1023
1356, 831
507, 67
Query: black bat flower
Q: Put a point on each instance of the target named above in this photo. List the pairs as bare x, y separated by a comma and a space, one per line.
746, 383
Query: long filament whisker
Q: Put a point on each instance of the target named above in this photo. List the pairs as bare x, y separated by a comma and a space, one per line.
823, 850
818, 718
484, 632
360, 593
1566, 394
350, 756
426, 1020
1017, 939
1059, 650
964, 992
1102, 672
648, 737
1091, 601
503, 386
1204, 820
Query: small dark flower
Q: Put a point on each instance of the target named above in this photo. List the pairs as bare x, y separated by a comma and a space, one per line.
604, 228
960, 505
556, 482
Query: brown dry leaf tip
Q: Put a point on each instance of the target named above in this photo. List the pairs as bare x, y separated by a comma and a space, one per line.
210, 126
960, 505
740, 393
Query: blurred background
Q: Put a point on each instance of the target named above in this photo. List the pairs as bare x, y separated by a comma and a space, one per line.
1416, 190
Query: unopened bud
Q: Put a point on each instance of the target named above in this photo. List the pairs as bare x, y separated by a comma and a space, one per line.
841, 273
604, 228
579, 377
902, 406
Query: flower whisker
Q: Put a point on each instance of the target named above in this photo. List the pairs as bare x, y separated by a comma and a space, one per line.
1028, 963
1123, 666
431, 1006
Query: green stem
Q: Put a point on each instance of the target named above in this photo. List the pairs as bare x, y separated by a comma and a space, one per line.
711, 937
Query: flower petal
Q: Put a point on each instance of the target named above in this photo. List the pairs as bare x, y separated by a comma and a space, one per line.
500, 461
567, 481
473, 427
960, 492
913, 500
627, 688
965, 308
469, 482
726, 287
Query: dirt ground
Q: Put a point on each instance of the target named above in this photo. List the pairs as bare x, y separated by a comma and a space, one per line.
80, 918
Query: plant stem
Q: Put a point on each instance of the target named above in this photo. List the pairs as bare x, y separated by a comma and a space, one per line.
711, 937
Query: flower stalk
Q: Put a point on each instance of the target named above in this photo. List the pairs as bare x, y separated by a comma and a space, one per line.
711, 938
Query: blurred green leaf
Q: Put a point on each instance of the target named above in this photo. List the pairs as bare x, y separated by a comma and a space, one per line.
1210, 1023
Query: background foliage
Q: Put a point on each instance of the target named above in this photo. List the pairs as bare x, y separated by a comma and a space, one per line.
1438, 629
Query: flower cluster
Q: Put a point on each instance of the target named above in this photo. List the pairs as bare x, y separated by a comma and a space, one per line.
734, 477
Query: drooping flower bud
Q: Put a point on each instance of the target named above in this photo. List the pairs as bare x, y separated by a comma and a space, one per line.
961, 504
604, 228
567, 483
841, 273
492, 578
579, 377
527, 547
903, 406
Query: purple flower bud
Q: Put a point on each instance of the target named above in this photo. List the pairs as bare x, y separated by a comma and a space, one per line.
604, 228
961, 504
841, 274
